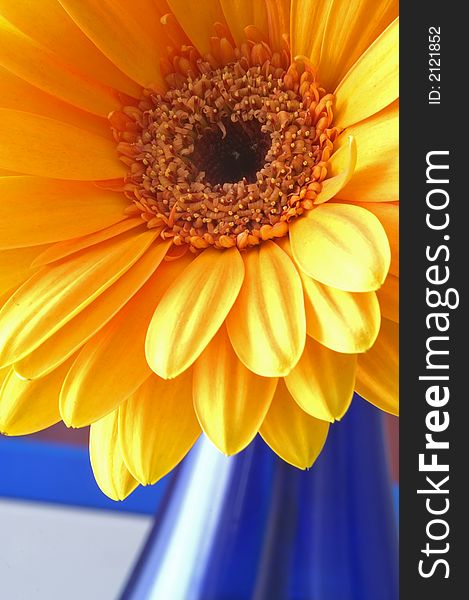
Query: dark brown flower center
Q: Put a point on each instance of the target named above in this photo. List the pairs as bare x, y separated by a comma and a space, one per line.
234, 152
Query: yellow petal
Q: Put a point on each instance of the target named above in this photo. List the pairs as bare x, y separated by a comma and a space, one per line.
48, 24
104, 375
158, 427
267, 325
373, 81
66, 248
307, 25
37, 65
343, 321
4, 373
346, 322
45, 147
54, 295
15, 266
230, 401
17, 94
388, 215
388, 296
128, 33
295, 436
53, 210
376, 176
79, 330
340, 169
197, 20
343, 246
192, 311
322, 382
109, 468
352, 26
378, 370
241, 13
29, 406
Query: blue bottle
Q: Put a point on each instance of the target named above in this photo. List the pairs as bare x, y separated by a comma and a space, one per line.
252, 527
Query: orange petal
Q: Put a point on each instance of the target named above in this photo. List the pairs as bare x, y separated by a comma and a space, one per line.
197, 20
128, 33
376, 175
267, 325
192, 311
15, 266
322, 382
107, 462
295, 436
352, 26
378, 370
388, 296
231, 402
36, 64
49, 25
53, 210
158, 427
45, 147
30, 406
308, 16
278, 19
17, 94
373, 81
103, 375
54, 295
341, 245
239, 14
80, 329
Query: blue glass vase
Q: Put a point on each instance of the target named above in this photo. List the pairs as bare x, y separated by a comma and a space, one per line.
251, 527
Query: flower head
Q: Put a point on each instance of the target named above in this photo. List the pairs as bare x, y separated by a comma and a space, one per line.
198, 223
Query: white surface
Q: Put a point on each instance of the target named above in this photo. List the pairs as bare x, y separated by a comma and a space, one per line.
50, 552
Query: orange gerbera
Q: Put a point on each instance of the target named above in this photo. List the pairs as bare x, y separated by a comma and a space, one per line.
198, 223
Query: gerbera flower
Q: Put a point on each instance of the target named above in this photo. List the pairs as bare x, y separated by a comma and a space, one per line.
198, 223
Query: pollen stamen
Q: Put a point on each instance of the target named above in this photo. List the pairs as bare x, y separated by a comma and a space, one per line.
236, 148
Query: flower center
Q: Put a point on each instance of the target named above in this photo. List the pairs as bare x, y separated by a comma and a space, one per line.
233, 152
230, 155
